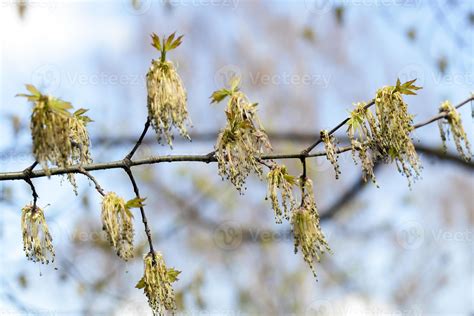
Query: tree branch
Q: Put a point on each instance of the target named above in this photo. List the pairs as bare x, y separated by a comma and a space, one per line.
192, 158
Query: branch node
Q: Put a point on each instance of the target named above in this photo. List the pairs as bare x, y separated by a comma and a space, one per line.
127, 162
210, 156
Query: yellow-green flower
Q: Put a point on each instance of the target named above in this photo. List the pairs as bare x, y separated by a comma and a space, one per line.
157, 284
453, 123
394, 126
37, 241
331, 150
307, 232
166, 94
281, 183
243, 141
360, 124
60, 138
385, 136
117, 222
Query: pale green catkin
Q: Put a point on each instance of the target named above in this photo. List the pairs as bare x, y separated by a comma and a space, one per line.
280, 183
157, 284
452, 124
37, 241
243, 140
308, 236
117, 222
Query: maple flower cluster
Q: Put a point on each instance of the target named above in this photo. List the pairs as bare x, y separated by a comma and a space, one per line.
60, 138
243, 140
304, 218
37, 241
280, 183
117, 222
453, 123
308, 236
331, 150
387, 133
359, 133
166, 93
156, 284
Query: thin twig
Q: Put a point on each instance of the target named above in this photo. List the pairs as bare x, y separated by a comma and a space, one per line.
142, 210
30, 168
127, 163
307, 150
94, 180
303, 178
27, 177
139, 141
33, 192
442, 115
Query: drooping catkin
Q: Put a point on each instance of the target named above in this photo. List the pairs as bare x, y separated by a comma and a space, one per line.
331, 151
308, 236
385, 136
117, 222
60, 138
37, 241
243, 140
167, 100
280, 184
452, 124
360, 123
157, 284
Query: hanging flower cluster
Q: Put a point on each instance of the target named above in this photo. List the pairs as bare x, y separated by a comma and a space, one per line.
359, 132
331, 150
37, 241
452, 123
280, 183
307, 232
243, 141
117, 222
166, 94
387, 133
393, 129
60, 138
157, 284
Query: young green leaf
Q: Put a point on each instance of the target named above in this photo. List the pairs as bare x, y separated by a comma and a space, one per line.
219, 95
135, 203
407, 88
33, 90
172, 275
177, 42
140, 284
80, 112
156, 41
169, 40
